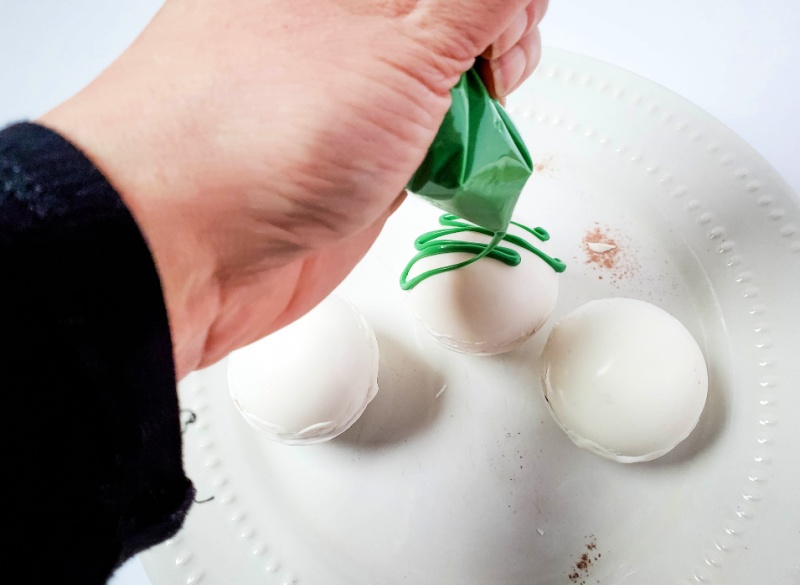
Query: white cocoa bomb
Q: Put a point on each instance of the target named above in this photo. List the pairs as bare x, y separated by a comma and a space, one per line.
487, 307
624, 379
311, 380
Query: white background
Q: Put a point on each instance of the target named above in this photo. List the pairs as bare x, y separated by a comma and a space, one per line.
736, 59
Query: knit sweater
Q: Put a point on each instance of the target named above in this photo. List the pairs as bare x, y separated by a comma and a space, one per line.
90, 418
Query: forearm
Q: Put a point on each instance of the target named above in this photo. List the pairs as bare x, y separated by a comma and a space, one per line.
92, 428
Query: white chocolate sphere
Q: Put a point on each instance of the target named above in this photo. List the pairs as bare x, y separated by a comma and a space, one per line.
487, 307
311, 380
624, 379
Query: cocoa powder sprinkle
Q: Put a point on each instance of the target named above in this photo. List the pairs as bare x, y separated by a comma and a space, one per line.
580, 572
601, 248
608, 252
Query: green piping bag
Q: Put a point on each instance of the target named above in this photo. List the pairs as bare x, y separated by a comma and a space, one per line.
477, 164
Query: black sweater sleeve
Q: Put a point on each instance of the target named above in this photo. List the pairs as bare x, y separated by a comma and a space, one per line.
90, 417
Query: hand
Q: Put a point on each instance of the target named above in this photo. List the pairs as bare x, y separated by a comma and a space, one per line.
261, 144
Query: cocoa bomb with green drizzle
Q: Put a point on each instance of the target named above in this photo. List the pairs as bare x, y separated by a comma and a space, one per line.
478, 291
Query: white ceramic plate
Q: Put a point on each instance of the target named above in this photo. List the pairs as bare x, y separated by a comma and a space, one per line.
476, 484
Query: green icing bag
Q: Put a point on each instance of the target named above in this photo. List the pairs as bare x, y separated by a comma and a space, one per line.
477, 165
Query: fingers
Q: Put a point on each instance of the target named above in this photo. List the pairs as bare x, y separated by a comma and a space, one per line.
521, 24
515, 53
504, 32
505, 73
460, 31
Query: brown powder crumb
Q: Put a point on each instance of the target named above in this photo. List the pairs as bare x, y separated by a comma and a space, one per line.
579, 572
545, 165
584, 563
608, 252
601, 248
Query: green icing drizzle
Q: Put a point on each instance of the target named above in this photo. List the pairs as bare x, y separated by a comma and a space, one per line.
432, 244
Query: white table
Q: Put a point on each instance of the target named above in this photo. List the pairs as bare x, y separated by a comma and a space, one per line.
736, 59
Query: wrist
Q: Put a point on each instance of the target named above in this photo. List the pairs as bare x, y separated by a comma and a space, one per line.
134, 154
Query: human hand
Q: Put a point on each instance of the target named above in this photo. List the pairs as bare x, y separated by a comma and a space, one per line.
261, 144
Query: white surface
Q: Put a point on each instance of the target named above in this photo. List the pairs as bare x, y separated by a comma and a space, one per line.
734, 59
624, 379
480, 485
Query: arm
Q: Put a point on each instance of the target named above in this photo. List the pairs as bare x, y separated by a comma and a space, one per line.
91, 417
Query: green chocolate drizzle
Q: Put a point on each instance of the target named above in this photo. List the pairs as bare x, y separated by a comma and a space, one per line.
430, 244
